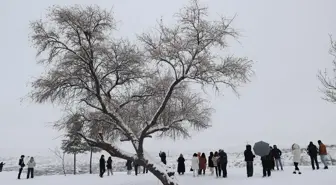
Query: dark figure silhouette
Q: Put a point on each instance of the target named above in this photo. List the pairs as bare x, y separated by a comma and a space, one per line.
1, 166
102, 166
312, 152
249, 156
22, 165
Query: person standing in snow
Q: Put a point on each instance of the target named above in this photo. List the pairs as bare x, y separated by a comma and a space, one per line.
202, 163
312, 152
195, 165
102, 166
109, 166
249, 156
199, 169
180, 165
272, 162
31, 165
296, 157
163, 157
266, 162
215, 159
22, 165
145, 170
323, 153
223, 162
211, 163
277, 156
129, 167
1, 166
136, 168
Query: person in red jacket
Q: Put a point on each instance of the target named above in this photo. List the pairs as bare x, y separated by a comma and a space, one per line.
202, 163
323, 153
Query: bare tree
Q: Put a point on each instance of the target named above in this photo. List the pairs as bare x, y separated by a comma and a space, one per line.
131, 92
61, 156
329, 82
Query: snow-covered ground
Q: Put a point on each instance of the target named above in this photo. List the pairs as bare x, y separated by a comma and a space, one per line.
235, 176
51, 165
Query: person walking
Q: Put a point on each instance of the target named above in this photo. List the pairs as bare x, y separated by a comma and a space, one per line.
296, 157
22, 165
109, 166
31, 165
129, 167
249, 157
277, 157
323, 153
211, 163
223, 162
102, 166
195, 165
180, 165
312, 152
215, 159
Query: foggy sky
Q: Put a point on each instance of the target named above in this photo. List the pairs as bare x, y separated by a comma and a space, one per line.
288, 40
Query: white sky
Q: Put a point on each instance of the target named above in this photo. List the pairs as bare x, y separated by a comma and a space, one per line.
288, 39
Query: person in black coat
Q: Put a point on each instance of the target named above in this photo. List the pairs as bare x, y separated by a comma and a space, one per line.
102, 166
180, 165
129, 167
276, 153
223, 162
22, 165
136, 168
210, 163
312, 152
249, 156
272, 158
1, 166
266, 162
163, 157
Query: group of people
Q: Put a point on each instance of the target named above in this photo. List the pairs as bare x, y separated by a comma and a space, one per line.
31, 165
102, 168
217, 162
274, 158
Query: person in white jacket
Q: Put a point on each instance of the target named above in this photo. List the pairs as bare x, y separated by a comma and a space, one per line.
195, 164
296, 157
31, 165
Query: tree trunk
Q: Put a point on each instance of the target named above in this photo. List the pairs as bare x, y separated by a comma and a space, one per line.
90, 160
75, 164
162, 175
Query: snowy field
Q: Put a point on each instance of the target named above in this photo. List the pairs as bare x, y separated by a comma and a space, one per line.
235, 176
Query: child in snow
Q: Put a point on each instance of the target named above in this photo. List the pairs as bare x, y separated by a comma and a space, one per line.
195, 164
296, 157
